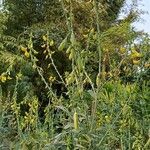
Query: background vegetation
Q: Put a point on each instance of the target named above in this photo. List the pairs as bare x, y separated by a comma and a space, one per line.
73, 75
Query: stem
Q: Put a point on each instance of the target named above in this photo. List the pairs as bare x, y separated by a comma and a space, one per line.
15, 102
98, 34
50, 55
94, 105
39, 70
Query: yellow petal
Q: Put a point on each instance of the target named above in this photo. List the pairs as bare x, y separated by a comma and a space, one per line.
136, 62
3, 78
85, 35
44, 38
27, 54
51, 43
9, 78
147, 65
122, 50
43, 46
135, 54
24, 49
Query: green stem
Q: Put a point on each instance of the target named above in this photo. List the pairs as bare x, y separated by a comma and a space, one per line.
98, 34
94, 105
52, 61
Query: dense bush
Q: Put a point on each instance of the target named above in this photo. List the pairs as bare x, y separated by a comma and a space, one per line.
73, 76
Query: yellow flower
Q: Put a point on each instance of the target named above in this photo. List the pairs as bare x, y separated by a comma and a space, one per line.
9, 78
70, 78
51, 79
92, 30
43, 46
51, 42
108, 119
85, 35
136, 62
122, 50
147, 65
19, 75
24, 49
44, 38
135, 54
27, 54
3, 78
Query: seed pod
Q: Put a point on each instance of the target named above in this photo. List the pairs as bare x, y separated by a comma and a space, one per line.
80, 64
98, 80
72, 38
62, 44
70, 56
75, 118
68, 50
46, 57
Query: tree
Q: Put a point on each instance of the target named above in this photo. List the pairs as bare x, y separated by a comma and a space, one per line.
32, 12
52, 20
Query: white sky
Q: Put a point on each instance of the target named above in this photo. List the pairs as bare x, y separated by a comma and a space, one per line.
144, 24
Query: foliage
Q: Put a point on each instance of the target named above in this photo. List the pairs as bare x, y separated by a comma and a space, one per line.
73, 76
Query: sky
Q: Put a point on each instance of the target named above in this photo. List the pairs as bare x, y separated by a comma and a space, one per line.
144, 24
